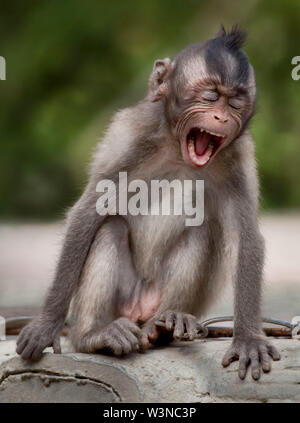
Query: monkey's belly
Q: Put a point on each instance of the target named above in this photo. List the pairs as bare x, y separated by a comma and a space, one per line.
143, 307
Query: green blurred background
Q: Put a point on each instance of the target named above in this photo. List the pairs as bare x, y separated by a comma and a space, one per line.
71, 64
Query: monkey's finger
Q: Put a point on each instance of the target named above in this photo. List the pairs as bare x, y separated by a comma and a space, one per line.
131, 337
21, 344
126, 345
114, 346
21, 347
153, 334
265, 362
98, 342
124, 337
131, 325
144, 342
230, 356
37, 353
255, 364
162, 317
273, 352
243, 365
127, 325
190, 326
127, 330
56, 346
170, 320
28, 350
178, 327
22, 340
264, 359
136, 331
22, 334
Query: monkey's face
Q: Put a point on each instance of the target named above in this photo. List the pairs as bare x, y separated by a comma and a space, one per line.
212, 116
210, 99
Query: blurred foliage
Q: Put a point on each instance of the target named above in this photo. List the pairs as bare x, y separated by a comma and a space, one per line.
70, 64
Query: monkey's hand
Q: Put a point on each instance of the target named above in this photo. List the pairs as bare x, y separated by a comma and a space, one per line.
37, 336
182, 324
251, 351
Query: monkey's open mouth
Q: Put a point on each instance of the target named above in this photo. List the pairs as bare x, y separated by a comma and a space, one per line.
202, 145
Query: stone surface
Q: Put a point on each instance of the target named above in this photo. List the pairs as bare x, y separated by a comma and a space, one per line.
181, 372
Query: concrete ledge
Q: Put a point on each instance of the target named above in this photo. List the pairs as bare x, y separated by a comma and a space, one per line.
181, 372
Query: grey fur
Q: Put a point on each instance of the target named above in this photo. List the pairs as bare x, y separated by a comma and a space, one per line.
108, 264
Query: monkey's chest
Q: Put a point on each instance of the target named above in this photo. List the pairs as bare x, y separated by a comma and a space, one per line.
151, 240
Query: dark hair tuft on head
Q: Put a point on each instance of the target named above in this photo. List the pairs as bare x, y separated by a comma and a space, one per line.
233, 39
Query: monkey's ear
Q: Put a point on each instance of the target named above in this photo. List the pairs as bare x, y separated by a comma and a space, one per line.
158, 84
222, 31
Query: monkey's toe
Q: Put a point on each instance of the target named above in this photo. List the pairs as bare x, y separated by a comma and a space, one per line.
182, 324
122, 337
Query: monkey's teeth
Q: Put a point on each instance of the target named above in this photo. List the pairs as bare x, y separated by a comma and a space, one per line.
211, 133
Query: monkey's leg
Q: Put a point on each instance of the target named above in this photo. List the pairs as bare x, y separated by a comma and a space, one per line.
185, 290
107, 277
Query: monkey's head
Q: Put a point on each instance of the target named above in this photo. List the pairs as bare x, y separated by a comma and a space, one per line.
208, 91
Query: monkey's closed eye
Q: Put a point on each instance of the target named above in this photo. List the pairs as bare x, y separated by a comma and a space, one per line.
234, 107
210, 95
235, 103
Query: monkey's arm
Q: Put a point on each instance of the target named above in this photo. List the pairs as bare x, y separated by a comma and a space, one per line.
112, 157
249, 345
45, 331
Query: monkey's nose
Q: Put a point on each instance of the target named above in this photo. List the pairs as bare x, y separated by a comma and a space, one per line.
221, 118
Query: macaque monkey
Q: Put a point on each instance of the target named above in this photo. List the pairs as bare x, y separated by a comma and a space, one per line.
119, 274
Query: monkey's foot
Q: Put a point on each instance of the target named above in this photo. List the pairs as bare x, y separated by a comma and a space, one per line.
182, 324
254, 352
120, 337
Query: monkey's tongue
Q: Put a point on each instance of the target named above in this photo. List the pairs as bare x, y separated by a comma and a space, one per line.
200, 147
201, 142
